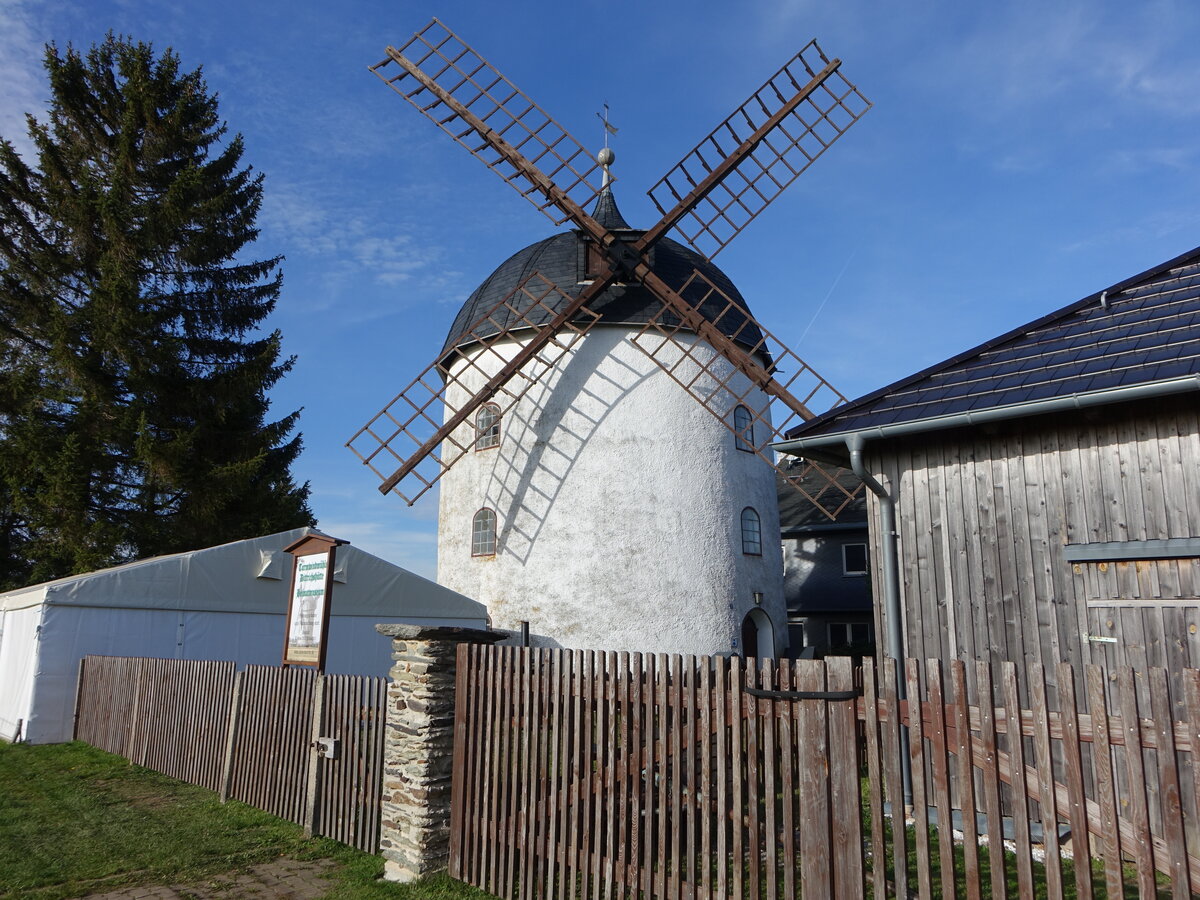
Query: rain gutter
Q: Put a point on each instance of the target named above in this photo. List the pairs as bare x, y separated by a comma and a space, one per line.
1083, 400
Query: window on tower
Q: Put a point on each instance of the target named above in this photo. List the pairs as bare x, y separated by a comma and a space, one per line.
483, 533
751, 532
487, 427
743, 429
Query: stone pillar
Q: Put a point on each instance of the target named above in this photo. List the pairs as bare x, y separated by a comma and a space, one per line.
418, 749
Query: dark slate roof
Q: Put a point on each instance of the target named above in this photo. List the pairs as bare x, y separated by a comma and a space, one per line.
562, 259
798, 514
1148, 331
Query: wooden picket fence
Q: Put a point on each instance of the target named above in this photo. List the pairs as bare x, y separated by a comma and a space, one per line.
596, 775
248, 735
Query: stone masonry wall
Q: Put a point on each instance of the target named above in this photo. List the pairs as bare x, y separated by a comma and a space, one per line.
419, 747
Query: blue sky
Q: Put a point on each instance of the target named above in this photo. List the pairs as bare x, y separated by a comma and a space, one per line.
1019, 156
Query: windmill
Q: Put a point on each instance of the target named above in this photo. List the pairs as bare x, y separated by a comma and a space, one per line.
693, 326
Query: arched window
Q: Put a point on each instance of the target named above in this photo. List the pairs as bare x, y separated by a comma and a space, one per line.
751, 532
743, 429
483, 533
487, 427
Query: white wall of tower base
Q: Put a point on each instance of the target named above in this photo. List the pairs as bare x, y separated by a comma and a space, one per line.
618, 499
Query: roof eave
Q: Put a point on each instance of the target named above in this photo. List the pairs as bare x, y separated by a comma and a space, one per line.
822, 446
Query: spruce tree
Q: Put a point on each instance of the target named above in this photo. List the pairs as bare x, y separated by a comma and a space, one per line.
133, 368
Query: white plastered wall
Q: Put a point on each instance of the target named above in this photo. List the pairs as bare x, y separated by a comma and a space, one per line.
618, 499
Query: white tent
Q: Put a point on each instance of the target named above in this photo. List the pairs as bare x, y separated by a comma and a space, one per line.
226, 602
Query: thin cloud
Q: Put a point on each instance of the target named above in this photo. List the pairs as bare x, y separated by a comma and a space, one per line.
21, 73
351, 243
410, 549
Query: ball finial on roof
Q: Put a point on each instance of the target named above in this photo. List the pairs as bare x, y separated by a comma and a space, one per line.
605, 157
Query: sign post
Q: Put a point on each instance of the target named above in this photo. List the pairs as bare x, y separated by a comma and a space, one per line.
308, 610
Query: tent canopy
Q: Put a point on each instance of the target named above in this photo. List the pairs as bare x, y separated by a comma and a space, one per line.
244, 577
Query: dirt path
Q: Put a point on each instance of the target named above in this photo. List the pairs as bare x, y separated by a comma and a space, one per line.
284, 879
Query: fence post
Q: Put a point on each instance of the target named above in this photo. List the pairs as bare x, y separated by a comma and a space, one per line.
312, 806
78, 699
418, 751
231, 736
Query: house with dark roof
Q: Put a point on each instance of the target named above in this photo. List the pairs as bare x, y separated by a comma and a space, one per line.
1043, 488
825, 573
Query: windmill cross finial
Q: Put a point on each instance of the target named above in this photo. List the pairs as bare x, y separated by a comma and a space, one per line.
605, 157
609, 127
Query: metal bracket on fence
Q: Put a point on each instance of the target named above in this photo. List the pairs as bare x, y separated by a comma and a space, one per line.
804, 695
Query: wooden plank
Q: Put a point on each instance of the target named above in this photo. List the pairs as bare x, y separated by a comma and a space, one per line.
473, 803
571, 697
1135, 797
875, 778
816, 837
896, 760
690, 868
662, 776
844, 788
531, 726
990, 777
754, 790
991, 630
639, 816
1045, 775
1016, 752
738, 776
1191, 694
489, 839
940, 775
674, 770
725, 765
459, 767
622, 775
586, 774
1168, 779
511, 826
965, 777
917, 760
552, 783
769, 782
1073, 770
707, 812
606, 811
652, 810
788, 782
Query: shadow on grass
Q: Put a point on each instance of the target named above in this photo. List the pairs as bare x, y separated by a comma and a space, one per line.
75, 820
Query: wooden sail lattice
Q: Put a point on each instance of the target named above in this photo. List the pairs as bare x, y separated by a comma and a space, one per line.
714, 192
813, 105
402, 427
436, 65
720, 387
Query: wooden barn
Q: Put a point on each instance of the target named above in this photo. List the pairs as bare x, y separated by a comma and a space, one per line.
1045, 485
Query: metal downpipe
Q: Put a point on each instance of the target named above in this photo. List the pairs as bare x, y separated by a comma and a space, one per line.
889, 539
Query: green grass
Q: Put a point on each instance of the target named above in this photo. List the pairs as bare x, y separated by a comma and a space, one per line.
75, 820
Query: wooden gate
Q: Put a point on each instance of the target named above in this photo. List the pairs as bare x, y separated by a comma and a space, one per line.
591, 774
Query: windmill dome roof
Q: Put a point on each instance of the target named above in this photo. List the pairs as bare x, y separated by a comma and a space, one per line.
563, 258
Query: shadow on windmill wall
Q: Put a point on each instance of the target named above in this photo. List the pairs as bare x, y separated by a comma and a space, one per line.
540, 455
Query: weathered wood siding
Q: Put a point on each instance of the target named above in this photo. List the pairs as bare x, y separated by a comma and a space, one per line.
984, 515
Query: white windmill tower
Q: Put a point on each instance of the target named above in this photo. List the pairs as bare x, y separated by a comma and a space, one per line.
583, 489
